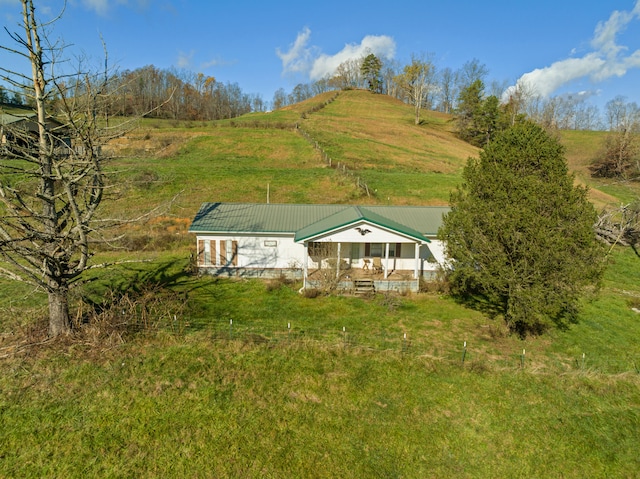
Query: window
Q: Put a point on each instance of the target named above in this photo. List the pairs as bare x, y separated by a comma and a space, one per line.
394, 250
228, 253
316, 249
207, 252
379, 249
229, 250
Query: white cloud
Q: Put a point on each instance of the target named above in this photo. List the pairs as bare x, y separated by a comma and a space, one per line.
184, 59
547, 80
102, 7
607, 60
381, 46
296, 60
216, 62
300, 58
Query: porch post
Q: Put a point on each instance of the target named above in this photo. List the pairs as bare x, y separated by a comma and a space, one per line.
416, 271
305, 266
386, 260
338, 261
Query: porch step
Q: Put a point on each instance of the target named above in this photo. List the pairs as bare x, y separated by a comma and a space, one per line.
363, 286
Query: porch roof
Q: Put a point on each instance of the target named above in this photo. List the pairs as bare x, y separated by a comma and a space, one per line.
355, 214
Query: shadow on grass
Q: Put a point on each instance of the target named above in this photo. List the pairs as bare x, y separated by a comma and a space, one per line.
147, 294
478, 302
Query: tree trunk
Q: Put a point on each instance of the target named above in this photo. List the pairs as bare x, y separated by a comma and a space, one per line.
59, 322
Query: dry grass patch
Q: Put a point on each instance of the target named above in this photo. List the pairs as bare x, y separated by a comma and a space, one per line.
368, 131
157, 143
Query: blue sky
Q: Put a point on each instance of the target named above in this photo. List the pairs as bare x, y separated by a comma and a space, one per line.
591, 47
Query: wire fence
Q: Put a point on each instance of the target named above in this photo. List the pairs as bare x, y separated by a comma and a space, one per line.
111, 330
328, 160
463, 353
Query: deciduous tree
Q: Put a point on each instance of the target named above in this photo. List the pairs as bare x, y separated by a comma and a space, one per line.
520, 234
417, 80
52, 176
348, 75
447, 90
470, 72
620, 156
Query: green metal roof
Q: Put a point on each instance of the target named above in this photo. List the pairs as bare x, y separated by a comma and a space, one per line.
352, 215
425, 219
307, 221
8, 119
258, 217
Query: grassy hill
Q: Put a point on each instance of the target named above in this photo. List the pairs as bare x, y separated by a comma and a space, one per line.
182, 376
370, 136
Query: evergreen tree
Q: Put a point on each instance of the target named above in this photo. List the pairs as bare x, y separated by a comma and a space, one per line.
479, 118
520, 234
16, 99
370, 70
469, 111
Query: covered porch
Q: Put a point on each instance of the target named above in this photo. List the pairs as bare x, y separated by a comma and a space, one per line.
352, 245
352, 281
396, 266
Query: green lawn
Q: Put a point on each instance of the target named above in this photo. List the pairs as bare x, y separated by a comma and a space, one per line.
192, 407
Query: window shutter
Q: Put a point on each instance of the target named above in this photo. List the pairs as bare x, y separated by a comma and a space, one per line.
367, 249
234, 259
200, 252
223, 252
398, 245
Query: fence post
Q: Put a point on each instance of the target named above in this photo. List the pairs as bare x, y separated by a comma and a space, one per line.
522, 359
230, 328
464, 351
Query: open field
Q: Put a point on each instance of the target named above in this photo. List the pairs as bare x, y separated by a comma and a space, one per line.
202, 377
194, 407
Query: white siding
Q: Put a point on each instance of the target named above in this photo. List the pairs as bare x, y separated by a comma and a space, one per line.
352, 235
273, 252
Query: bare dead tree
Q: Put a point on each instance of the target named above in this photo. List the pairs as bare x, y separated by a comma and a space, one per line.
620, 226
52, 177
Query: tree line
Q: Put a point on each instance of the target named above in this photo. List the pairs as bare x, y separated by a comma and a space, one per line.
425, 86
162, 93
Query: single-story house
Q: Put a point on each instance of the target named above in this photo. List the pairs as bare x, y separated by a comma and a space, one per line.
391, 246
20, 126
